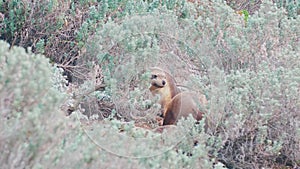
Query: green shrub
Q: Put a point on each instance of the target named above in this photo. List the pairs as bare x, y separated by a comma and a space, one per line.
58, 30
35, 134
30, 114
34, 131
248, 71
247, 67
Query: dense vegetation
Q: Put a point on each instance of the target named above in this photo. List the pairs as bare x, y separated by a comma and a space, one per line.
74, 83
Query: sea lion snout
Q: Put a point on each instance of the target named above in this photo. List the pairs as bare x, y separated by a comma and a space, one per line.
157, 81
158, 84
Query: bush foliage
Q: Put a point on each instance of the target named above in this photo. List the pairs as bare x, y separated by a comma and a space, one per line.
244, 57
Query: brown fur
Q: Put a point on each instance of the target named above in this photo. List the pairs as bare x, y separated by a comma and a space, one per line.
175, 104
162, 83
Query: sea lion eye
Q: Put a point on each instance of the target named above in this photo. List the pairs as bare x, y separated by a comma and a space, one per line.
153, 76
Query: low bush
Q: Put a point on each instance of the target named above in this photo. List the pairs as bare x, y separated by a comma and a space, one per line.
245, 62
29, 104
247, 68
